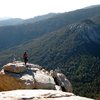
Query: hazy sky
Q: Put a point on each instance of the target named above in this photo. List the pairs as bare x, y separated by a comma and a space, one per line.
30, 8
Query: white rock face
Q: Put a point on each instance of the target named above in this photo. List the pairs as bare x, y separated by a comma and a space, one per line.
29, 65
16, 67
39, 95
58, 88
28, 80
44, 81
16, 75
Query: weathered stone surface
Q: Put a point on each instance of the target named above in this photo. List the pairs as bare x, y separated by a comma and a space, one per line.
29, 81
62, 81
39, 95
53, 73
44, 81
12, 81
9, 83
31, 76
16, 67
29, 65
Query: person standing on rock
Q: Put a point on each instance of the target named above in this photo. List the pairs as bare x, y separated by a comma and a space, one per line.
25, 57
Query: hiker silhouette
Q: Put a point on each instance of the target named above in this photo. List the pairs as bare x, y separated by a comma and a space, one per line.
25, 57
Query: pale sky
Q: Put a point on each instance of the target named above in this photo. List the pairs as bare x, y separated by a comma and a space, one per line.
30, 8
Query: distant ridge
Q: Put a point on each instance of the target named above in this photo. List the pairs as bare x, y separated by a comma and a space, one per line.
11, 21
19, 21
4, 18
41, 17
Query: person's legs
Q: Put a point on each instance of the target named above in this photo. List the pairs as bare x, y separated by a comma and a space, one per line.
25, 61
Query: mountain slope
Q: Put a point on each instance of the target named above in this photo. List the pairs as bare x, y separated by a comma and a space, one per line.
73, 49
17, 34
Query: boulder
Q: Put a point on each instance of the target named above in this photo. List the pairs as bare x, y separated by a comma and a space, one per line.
16, 75
16, 67
34, 76
29, 81
10, 83
53, 73
62, 81
44, 81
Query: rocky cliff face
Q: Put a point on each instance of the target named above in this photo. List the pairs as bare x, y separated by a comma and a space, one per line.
35, 83
18, 76
87, 31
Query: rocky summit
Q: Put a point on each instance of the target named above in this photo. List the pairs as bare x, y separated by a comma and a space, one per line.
32, 82
17, 75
